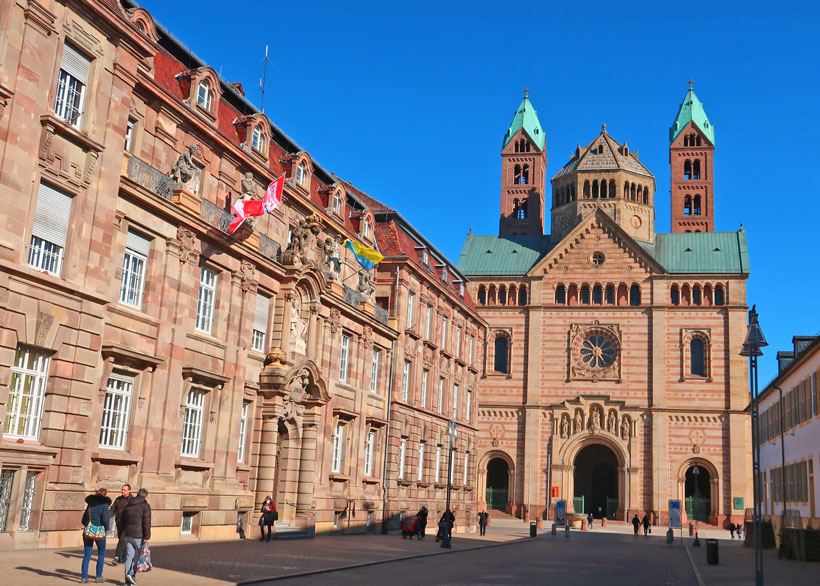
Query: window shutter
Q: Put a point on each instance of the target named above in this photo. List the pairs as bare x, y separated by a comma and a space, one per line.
260, 314
137, 243
51, 215
75, 63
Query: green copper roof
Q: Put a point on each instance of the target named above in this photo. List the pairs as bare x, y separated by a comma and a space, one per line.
691, 110
502, 255
527, 118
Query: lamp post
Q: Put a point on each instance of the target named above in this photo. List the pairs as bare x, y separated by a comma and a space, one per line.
696, 480
752, 348
453, 432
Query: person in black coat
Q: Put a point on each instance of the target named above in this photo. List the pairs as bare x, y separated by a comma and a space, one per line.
636, 523
422, 515
96, 513
136, 523
645, 523
116, 511
483, 518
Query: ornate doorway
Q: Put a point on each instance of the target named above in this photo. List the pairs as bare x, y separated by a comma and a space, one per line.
697, 491
498, 484
596, 481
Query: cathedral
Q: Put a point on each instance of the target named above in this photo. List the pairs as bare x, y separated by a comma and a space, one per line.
612, 377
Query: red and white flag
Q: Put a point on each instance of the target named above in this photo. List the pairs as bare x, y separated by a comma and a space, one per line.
257, 207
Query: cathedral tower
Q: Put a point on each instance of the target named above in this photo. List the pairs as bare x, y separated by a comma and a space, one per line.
523, 173
691, 157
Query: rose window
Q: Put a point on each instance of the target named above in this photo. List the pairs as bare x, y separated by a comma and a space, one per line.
597, 351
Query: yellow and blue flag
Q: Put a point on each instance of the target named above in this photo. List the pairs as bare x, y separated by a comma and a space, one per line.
367, 257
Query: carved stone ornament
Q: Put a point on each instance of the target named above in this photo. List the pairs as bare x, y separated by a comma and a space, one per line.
564, 425
625, 428
249, 188
44, 322
612, 422
696, 448
306, 246
187, 246
298, 326
366, 287
367, 337
579, 421
595, 420
184, 171
247, 271
333, 258
275, 358
335, 318
595, 352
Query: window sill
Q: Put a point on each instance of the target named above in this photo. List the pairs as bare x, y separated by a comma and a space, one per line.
132, 313
401, 482
337, 477
207, 338
24, 445
411, 332
370, 480
439, 485
460, 361
695, 378
193, 464
242, 467
446, 353
431, 344
120, 457
422, 484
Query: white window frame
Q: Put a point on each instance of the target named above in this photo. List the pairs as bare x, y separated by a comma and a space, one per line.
337, 203
466, 467
70, 98
366, 228
193, 422
458, 341
405, 381
402, 456
187, 528
132, 285
444, 333
204, 99
374, 370
256, 139
420, 475
259, 337
243, 431
441, 394
344, 358
369, 449
455, 401
338, 447
438, 464
411, 299
429, 320
206, 300
424, 376
472, 339
49, 231
469, 405
27, 392
425, 257
301, 176
46, 256
129, 134
116, 412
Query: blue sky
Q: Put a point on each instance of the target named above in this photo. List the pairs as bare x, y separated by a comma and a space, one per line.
410, 101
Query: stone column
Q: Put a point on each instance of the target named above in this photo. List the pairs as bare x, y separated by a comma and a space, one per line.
307, 469
267, 459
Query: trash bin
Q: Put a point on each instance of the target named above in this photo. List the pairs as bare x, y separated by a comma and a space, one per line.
533, 529
712, 557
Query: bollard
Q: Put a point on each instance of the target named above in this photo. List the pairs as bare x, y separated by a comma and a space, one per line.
670, 536
533, 529
553, 530
566, 530
696, 543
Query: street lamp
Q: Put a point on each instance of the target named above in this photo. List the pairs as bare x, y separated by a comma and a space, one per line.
755, 340
695, 474
453, 432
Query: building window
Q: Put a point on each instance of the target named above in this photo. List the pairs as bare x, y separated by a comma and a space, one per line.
301, 179
203, 95
129, 135
420, 476
428, 321
337, 204
675, 295
192, 423
441, 395
74, 71
455, 401
187, 525
6, 483
458, 341
424, 376
444, 333
366, 228
134, 262
500, 364
405, 381
411, 301
469, 406
260, 322
256, 139
48, 232
560, 295
28, 501
343, 358
369, 448
438, 464
374, 370
697, 357
206, 300
116, 412
402, 455
472, 339
466, 468
634, 295
243, 431
597, 259
338, 447
719, 295
610, 294
27, 390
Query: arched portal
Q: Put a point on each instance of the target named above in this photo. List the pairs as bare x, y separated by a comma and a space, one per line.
596, 481
697, 491
498, 484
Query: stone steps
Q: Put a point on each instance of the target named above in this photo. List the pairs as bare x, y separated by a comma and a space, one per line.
282, 530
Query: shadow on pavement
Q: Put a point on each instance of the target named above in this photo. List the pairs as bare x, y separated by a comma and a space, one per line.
59, 573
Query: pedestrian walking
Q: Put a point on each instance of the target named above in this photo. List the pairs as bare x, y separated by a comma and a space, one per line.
136, 520
116, 511
268, 518
645, 523
483, 519
96, 519
737, 530
732, 530
589, 520
422, 515
636, 523
445, 525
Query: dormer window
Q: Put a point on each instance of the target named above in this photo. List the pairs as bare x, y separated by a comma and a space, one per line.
461, 289
337, 204
366, 228
425, 258
256, 139
203, 95
444, 274
301, 177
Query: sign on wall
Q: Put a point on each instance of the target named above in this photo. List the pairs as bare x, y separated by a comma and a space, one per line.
674, 514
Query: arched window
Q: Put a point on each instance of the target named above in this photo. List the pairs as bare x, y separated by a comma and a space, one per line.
640, 193
675, 295
203, 94
697, 139
525, 174
622, 294
482, 295
634, 295
626, 189
697, 357
696, 170
585, 295
696, 206
301, 175
502, 295
687, 170
560, 295
685, 140
719, 300
522, 295
687, 205
686, 295
603, 189
597, 295
491, 296
586, 188
610, 294
513, 295
594, 189
337, 203
517, 174
256, 139
611, 188
572, 296
646, 195
632, 192
572, 194
707, 294
500, 364
366, 228
696, 296
521, 213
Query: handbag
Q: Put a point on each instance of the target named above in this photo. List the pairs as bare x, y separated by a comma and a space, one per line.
94, 532
144, 562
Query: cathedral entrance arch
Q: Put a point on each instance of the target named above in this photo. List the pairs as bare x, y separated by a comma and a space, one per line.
596, 481
697, 491
498, 472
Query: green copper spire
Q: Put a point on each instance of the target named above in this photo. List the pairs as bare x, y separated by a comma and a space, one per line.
691, 110
526, 118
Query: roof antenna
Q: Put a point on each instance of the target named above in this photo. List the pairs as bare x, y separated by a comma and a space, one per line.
264, 78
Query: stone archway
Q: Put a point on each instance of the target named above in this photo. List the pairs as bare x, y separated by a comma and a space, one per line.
496, 480
596, 481
699, 488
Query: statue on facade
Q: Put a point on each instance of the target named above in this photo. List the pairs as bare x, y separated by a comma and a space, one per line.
298, 386
596, 419
298, 327
333, 258
612, 422
184, 170
564, 426
625, 428
579, 421
366, 287
248, 186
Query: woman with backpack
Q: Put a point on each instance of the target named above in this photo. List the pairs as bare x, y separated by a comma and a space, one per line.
95, 525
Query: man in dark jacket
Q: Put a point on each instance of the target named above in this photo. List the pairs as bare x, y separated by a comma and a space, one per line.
116, 511
136, 527
636, 523
645, 523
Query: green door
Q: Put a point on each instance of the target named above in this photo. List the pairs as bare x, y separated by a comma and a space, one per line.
698, 508
497, 498
578, 504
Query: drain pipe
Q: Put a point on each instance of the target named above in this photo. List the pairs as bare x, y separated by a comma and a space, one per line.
389, 403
